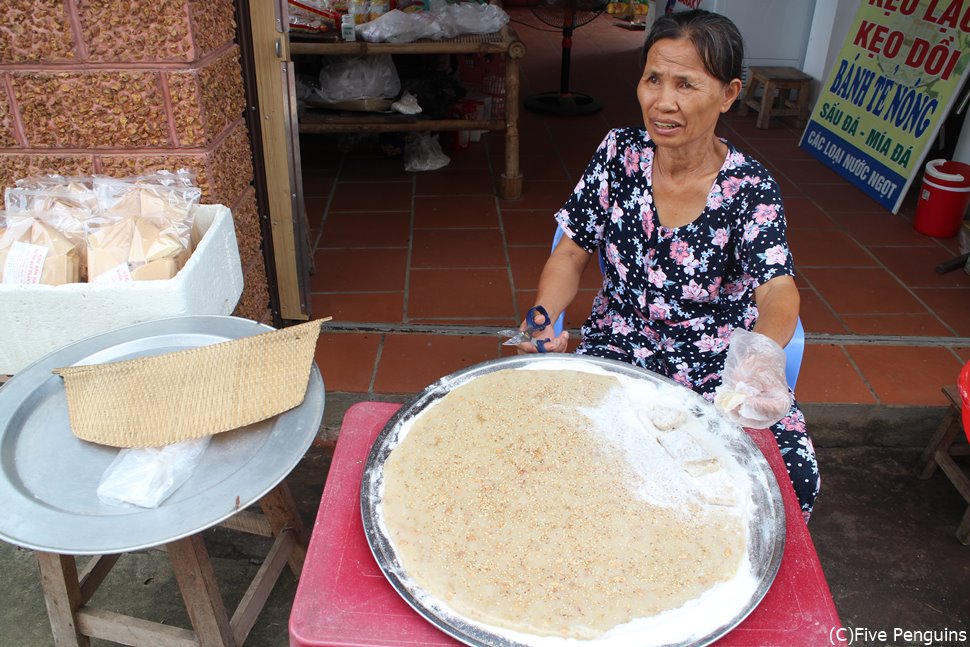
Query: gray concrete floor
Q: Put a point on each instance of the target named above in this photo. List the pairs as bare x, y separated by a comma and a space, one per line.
885, 539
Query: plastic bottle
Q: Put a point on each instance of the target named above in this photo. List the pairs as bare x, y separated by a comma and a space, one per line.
347, 30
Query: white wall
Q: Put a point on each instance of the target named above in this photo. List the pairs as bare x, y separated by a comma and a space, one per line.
806, 34
776, 32
830, 26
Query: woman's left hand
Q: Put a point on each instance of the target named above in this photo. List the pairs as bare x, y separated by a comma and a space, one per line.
753, 391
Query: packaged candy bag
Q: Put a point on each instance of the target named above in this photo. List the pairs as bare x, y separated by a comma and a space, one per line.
66, 204
144, 226
32, 252
108, 247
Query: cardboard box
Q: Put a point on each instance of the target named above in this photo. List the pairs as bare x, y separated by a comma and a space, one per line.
38, 319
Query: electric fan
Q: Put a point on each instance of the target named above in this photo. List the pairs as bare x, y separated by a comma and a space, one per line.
568, 14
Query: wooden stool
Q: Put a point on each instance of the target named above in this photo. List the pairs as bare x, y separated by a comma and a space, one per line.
941, 451
73, 622
784, 81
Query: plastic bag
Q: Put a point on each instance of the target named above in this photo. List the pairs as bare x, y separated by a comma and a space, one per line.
397, 26
33, 252
143, 229
312, 16
442, 20
164, 197
407, 104
66, 204
753, 391
146, 476
350, 78
468, 18
423, 153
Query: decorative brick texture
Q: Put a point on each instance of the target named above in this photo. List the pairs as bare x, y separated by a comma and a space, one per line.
135, 30
168, 95
213, 24
248, 235
190, 126
92, 109
206, 100
16, 166
254, 302
35, 31
223, 97
7, 138
232, 165
122, 165
222, 173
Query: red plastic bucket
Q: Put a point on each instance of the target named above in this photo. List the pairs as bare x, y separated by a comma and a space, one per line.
963, 384
943, 198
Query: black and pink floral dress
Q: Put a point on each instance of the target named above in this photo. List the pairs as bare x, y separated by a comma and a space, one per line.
672, 296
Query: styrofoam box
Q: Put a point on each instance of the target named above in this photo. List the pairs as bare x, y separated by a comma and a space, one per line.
38, 319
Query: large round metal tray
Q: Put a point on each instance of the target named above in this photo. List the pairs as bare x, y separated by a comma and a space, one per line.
49, 477
766, 538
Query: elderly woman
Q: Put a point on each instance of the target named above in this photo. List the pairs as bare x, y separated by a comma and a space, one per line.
692, 231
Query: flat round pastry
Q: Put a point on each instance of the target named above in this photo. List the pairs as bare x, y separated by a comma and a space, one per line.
567, 502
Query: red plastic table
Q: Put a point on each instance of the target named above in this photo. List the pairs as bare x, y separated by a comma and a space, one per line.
343, 599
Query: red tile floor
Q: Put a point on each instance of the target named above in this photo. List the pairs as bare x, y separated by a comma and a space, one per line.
420, 269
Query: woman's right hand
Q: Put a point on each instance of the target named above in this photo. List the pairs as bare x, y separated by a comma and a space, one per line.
554, 345
558, 285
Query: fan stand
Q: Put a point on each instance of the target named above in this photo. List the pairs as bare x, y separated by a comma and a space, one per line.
564, 103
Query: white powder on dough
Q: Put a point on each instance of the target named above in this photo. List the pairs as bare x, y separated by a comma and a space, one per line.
621, 420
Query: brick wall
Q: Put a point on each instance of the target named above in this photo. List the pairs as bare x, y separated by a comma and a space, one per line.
118, 87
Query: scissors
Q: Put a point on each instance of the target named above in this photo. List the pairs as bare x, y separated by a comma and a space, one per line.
516, 337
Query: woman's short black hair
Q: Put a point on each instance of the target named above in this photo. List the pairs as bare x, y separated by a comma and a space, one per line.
716, 39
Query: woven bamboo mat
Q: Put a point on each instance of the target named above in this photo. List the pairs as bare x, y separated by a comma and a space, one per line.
164, 399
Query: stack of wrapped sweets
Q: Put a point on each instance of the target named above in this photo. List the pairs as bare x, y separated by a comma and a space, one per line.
43, 240
97, 229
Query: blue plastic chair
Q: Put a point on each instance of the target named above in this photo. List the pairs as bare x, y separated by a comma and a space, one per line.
794, 349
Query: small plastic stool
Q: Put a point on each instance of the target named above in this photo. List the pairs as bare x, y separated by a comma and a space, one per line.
781, 80
943, 446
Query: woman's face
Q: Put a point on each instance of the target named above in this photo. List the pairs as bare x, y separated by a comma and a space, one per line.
679, 99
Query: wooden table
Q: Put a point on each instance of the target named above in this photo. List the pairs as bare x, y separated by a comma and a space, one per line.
344, 599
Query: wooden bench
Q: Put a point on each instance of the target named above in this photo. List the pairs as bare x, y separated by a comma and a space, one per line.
777, 85
943, 446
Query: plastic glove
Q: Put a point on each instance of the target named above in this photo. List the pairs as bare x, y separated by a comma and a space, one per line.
753, 391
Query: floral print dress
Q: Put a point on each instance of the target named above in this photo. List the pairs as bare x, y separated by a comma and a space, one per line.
672, 296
